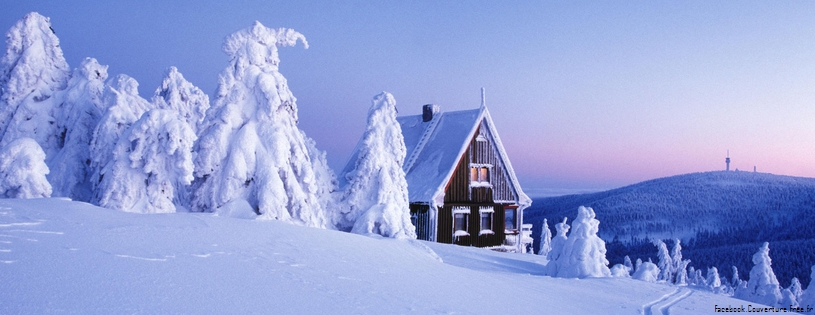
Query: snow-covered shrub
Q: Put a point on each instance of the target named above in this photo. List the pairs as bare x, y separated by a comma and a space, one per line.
558, 242
82, 109
23, 170
546, 240
250, 147
584, 253
376, 198
33, 71
178, 94
647, 271
152, 165
762, 287
681, 277
788, 299
627, 263
620, 271
795, 288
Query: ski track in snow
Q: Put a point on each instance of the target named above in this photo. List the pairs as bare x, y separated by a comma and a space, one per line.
665, 302
141, 258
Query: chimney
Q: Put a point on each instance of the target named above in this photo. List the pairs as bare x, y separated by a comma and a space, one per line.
429, 111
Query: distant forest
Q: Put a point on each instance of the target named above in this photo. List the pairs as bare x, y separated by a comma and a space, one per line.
721, 218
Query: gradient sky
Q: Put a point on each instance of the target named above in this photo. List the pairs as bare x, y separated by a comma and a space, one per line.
588, 95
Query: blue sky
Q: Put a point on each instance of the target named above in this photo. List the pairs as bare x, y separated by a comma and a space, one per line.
586, 95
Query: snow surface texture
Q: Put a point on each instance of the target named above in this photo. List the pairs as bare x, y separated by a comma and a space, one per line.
250, 147
182, 263
33, 70
376, 198
152, 165
584, 253
23, 170
762, 287
82, 110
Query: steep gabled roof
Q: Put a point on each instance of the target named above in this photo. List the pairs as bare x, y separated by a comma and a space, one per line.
434, 149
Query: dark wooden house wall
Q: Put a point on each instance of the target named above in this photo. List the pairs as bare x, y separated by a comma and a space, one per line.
459, 193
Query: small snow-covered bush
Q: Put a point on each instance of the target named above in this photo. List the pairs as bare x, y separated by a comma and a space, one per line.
620, 271
648, 272
23, 170
584, 253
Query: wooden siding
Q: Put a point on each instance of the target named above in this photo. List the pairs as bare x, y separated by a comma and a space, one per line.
481, 152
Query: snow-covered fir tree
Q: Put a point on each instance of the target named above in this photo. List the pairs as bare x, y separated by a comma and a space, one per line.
584, 253
795, 288
681, 277
250, 148
546, 240
558, 242
714, 282
376, 198
33, 71
735, 282
123, 106
82, 109
676, 258
23, 170
665, 264
152, 165
178, 94
762, 287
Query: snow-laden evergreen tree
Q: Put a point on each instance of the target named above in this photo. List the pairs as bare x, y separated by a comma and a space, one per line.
584, 253
250, 148
735, 281
666, 264
627, 263
558, 242
691, 278
682, 273
637, 264
788, 299
123, 106
23, 170
33, 71
676, 258
762, 287
82, 109
546, 240
178, 94
808, 297
376, 198
714, 282
698, 279
152, 165
795, 288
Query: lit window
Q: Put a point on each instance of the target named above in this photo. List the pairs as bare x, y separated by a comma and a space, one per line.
480, 174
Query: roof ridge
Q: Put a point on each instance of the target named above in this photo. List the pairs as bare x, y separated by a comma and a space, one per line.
422, 142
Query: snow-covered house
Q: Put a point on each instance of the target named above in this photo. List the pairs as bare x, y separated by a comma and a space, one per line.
461, 185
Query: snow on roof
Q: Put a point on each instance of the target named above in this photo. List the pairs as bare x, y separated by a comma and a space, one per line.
434, 149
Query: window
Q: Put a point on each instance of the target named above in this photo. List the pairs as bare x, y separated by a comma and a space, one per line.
461, 217
480, 174
509, 217
486, 220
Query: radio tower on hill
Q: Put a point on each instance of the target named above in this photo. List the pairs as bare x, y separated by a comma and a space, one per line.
727, 161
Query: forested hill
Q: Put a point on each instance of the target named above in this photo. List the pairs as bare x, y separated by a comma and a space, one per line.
727, 211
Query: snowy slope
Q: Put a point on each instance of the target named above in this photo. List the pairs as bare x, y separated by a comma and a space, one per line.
58, 256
